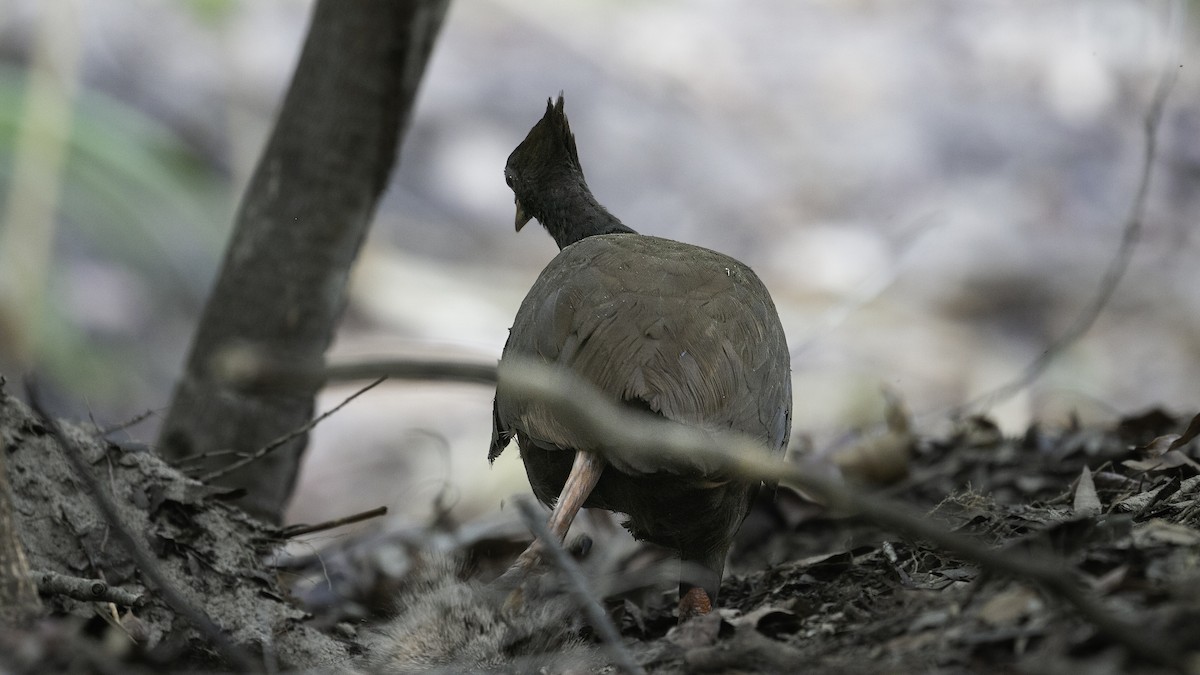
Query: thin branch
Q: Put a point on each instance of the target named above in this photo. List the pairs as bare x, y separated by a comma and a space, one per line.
131, 422
145, 563
284, 439
249, 369
1130, 235
870, 288
299, 529
185, 465
578, 586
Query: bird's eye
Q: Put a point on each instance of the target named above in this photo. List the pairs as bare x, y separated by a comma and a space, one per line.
508, 178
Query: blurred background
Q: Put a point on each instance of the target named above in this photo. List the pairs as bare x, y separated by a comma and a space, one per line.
931, 190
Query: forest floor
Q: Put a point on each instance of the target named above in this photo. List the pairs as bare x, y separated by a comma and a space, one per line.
807, 590
1117, 506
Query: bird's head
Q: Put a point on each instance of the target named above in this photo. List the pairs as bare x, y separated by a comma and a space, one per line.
544, 164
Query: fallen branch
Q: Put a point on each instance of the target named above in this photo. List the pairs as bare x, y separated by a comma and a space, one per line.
626, 435
585, 411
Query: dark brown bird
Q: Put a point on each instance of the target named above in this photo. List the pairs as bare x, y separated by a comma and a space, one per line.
662, 326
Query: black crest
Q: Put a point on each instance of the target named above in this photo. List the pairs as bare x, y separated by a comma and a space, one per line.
549, 143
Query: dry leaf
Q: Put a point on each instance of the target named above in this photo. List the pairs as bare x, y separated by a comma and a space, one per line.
1159, 445
1010, 606
1159, 531
1193, 431
770, 621
1110, 580
882, 460
699, 631
1141, 500
1168, 460
1087, 502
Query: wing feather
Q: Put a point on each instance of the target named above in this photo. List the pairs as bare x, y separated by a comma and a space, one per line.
688, 332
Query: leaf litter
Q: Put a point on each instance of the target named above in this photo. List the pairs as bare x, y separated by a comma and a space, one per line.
806, 589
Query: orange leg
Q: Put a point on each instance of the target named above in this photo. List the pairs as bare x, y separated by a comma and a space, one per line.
700, 581
694, 602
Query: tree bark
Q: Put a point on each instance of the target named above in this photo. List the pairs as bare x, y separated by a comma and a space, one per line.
301, 223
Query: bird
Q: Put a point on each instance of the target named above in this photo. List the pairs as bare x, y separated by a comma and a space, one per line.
660, 326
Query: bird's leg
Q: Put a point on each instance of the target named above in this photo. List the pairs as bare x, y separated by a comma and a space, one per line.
585, 473
699, 582
694, 602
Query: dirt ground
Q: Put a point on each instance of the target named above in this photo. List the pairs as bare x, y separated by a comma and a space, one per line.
807, 590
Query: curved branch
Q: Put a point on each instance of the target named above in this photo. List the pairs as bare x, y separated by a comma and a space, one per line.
628, 435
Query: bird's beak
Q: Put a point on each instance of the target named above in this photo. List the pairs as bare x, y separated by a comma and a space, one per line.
522, 217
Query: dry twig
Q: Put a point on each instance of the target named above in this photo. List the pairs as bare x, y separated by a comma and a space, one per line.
284, 439
578, 587
88, 590
299, 529
1130, 235
121, 426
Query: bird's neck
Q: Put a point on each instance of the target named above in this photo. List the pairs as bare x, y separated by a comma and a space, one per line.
574, 214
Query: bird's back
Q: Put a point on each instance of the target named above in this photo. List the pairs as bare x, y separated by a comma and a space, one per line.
686, 332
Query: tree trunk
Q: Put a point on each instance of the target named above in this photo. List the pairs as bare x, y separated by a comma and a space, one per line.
302, 220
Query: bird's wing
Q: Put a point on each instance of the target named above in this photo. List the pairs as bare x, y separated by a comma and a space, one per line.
676, 329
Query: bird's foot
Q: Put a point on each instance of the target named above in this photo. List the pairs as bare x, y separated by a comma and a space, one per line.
695, 602
527, 562
514, 577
